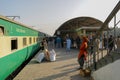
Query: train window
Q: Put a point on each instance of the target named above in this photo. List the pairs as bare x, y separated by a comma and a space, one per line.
24, 41
1, 31
37, 40
14, 44
30, 40
34, 39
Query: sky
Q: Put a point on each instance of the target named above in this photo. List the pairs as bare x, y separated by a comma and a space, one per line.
48, 15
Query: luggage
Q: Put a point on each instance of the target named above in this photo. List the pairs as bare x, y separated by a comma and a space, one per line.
52, 55
40, 57
47, 55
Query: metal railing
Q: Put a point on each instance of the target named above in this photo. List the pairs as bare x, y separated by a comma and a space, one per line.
96, 54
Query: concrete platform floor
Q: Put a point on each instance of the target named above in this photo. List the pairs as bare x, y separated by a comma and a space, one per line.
64, 68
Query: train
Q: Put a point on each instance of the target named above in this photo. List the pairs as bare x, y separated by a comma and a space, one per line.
18, 42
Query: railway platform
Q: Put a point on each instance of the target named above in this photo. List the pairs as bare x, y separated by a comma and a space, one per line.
64, 68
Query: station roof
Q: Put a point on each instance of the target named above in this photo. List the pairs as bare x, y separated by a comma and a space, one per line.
79, 22
88, 23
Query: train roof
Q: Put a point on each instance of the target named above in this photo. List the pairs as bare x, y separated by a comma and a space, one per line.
13, 21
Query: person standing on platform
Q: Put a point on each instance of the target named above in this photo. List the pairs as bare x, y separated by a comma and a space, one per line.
58, 42
45, 44
78, 41
42, 46
83, 52
105, 42
110, 43
68, 44
118, 44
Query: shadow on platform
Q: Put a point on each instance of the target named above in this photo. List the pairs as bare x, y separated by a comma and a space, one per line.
64, 75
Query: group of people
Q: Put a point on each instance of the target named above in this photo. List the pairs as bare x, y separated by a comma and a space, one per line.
83, 46
109, 44
61, 42
46, 55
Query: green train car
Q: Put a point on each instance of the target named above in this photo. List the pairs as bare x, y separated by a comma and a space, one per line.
17, 43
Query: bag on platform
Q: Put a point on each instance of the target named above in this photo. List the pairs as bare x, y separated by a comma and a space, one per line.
52, 55
40, 57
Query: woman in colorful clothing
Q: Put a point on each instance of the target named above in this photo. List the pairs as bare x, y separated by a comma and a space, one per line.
83, 52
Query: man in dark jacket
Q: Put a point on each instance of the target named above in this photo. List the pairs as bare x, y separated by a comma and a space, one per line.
110, 43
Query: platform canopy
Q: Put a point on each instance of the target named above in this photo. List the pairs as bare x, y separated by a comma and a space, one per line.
72, 25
